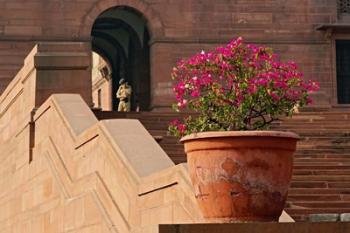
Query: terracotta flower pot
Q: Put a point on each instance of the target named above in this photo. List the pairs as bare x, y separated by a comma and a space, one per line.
241, 176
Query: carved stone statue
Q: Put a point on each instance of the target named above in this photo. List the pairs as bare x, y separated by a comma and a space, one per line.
124, 95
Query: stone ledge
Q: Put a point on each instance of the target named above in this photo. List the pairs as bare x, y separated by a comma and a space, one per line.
337, 227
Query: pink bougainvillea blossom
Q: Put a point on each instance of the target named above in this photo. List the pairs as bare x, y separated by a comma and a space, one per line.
237, 87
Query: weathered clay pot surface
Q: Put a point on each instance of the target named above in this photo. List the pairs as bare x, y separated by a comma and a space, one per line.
241, 176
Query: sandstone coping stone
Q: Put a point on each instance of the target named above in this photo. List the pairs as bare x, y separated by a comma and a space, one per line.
139, 148
78, 116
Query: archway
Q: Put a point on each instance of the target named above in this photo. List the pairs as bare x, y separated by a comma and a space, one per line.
121, 37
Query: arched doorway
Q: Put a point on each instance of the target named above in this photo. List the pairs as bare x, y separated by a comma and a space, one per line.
121, 37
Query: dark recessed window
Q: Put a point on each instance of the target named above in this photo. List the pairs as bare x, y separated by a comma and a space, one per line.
344, 6
343, 71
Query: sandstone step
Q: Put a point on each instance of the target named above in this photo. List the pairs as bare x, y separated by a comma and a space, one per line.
321, 160
335, 150
338, 178
316, 126
326, 133
319, 204
306, 211
319, 191
321, 172
338, 184
308, 184
305, 131
299, 155
302, 214
324, 140
320, 166
339, 147
292, 198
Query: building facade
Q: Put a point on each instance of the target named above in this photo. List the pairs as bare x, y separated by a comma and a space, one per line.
141, 40
65, 168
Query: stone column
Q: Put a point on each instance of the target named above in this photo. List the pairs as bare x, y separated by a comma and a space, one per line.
62, 68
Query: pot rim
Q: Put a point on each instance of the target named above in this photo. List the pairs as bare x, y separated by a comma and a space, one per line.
254, 133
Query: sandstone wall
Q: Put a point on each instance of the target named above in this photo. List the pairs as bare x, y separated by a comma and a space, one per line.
180, 28
63, 171
101, 84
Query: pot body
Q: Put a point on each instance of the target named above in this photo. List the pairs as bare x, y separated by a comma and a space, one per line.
241, 176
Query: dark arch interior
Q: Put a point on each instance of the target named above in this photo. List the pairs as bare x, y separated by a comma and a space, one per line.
120, 35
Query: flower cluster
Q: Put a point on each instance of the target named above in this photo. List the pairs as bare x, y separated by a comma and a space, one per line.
236, 87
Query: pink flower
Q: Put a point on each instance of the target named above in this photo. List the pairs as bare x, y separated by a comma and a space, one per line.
195, 93
293, 65
281, 84
180, 86
232, 82
252, 89
175, 122
275, 97
181, 128
309, 100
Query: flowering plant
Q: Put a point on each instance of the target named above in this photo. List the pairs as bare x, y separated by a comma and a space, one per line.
236, 87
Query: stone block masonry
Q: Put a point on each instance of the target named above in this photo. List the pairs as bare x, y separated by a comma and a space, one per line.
179, 29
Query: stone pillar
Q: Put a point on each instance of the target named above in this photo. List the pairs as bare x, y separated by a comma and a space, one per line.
49, 68
61, 68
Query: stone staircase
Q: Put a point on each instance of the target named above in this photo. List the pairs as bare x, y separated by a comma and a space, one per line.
321, 179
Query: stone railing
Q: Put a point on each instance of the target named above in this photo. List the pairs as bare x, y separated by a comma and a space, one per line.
114, 164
